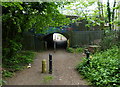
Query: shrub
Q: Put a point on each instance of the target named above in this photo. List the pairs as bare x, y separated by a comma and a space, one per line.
111, 38
103, 69
19, 61
74, 50
26, 57
78, 50
6, 73
70, 50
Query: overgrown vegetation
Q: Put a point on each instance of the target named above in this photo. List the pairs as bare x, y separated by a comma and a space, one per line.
17, 62
2, 82
74, 50
99, 15
19, 17
110, 39
7, 73
103, 69
70, 50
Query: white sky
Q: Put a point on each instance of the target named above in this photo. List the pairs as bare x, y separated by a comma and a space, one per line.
93, 7
59, 37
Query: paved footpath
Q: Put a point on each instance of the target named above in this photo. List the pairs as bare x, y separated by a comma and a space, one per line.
64, 72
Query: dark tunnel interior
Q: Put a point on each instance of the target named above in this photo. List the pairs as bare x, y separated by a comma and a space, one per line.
50, 42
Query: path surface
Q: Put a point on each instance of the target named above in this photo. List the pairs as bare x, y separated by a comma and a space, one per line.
63, 71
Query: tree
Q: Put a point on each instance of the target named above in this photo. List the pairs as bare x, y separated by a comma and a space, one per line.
96, 13
19, 17
85, 11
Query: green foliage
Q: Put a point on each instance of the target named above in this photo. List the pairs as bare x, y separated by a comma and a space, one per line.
18, 17
26, 57
2, 82
15, 4
103, 69
18, 61
47, 79
74, 50
79, 50
110, 39
91, 16
35, 15
100, 13
117, 22
6, 73
70, 50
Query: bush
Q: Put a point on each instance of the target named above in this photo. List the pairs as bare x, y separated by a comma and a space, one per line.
70, 50
74, 50
26, 57
103, 70
6, 73
19, 61
78, 50
111, 38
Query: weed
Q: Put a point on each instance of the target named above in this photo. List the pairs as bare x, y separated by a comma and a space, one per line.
47, 79
6, 73
70, 50
79, 50
2, 82
17, 62
74, 50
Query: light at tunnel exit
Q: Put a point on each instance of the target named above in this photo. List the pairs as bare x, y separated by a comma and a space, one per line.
59, 37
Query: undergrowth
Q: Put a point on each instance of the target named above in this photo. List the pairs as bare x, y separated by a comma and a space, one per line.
47, 79
17, 63
74, 50
103, 70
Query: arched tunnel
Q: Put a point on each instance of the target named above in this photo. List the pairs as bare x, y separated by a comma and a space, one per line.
56, 41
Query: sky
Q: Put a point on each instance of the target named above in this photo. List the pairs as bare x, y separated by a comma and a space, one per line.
90, 8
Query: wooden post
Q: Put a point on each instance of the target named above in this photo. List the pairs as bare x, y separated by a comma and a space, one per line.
43, 66
68, 43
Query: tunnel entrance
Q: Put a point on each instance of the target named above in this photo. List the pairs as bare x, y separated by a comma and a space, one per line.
55, 41
59, 40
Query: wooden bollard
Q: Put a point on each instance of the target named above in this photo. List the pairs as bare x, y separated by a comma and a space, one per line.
68, 43
44, 66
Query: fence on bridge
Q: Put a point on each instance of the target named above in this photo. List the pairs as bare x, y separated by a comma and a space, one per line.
80, 38
77, 38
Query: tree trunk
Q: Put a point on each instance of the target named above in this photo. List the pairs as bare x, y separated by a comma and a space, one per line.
109, 14
99, 8
101, 15
113, 13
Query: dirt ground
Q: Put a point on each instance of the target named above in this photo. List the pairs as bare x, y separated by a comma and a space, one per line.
64, 72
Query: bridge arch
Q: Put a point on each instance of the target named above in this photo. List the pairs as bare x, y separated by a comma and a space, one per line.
50, 43
66, 34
